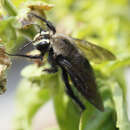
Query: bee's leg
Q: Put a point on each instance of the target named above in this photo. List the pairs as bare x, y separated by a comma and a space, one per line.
69, 89
65, 63
27, 56
51, 60
67, 68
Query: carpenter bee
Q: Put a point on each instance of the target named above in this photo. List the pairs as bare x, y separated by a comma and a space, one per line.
72, 56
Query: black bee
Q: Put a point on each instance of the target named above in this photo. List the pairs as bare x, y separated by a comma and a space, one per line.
71, 55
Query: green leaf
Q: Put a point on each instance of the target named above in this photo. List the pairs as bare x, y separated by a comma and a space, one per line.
100, 121
93, 119
9, 7
119, 63
120, 107
6, 29
67, 112
52, 129
30, 98
17, 3
34, 91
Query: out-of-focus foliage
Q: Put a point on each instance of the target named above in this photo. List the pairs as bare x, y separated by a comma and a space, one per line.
103, 22
13, 21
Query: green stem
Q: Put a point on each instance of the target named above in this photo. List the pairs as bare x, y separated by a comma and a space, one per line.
8, 7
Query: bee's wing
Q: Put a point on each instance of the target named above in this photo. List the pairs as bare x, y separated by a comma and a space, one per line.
93, 52
82, 76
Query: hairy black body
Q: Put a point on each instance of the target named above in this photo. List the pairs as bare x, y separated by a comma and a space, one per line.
63, 52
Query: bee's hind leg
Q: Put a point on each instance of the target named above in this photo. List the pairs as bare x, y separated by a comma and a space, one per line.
69, 89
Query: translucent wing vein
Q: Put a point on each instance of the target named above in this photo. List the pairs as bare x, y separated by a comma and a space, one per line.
93, 52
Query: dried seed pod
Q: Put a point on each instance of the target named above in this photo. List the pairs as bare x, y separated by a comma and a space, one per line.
3, 79
40, 6
4, 59
36, 7
4, 65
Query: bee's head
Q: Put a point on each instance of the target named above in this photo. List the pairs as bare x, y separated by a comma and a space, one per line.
42, 39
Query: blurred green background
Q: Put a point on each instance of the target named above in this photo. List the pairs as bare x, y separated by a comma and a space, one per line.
103, 22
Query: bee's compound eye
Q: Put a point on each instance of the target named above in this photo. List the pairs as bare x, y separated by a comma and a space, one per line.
41, 42
42, 45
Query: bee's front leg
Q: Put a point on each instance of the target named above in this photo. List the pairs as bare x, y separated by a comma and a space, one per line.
27, 56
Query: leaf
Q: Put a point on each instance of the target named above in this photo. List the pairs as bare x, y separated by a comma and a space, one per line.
92, 119
110, 67
63, 106
17, 3
9, 7
52, 129
100, 121
7, 29
120, 63
32, 72
120, 107
30, 98
35, 90
67, 112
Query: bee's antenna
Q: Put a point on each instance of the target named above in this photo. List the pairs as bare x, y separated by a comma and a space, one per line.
26, 45
48, 23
